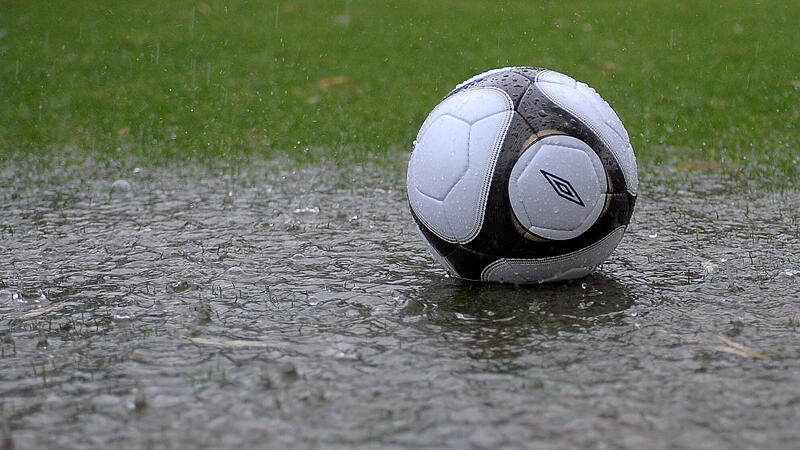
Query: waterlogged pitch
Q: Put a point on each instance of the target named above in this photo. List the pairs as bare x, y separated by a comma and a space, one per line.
259, 306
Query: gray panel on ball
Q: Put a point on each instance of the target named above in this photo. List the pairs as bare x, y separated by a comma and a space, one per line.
565, 267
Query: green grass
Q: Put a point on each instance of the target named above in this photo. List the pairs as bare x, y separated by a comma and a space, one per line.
717, 83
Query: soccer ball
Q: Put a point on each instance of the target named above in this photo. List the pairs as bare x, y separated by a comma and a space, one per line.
522, 175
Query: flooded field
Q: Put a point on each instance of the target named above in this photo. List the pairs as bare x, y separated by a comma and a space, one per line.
260, 307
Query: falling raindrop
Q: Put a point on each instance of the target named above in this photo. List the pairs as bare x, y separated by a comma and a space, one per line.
41, 341
122, 317
120, 187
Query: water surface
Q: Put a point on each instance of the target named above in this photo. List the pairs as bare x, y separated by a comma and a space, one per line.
257, 306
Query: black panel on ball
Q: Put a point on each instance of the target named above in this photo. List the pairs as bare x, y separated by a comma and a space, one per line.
468, 263
499, 235
513, 81
541, 114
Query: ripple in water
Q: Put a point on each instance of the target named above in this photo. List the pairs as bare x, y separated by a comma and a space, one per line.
245, 305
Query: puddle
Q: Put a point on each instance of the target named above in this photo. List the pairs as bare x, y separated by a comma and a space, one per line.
258, 306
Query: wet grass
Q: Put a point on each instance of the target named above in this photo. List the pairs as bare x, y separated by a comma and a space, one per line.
706, 86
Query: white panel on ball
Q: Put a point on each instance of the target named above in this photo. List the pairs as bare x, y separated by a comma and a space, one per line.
448, 189
558, 187
441, 160
565, 267
585, 103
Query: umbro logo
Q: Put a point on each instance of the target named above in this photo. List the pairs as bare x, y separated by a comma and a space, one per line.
563, 188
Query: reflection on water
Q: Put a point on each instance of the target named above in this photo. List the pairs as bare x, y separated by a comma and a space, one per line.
500, 323
258, 305
567, 306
